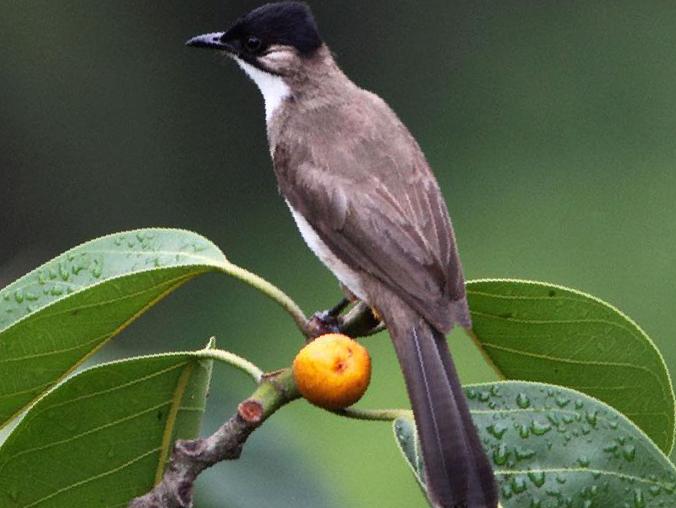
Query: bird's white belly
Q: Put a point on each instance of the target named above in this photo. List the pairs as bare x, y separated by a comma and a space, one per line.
343, 273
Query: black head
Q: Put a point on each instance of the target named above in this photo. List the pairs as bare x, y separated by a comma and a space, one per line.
280, 23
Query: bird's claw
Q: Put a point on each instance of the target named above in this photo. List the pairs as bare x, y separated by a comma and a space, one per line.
321, 323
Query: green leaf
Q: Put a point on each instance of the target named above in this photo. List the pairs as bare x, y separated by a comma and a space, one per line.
55, 317
541, 332
103, 436
553, 447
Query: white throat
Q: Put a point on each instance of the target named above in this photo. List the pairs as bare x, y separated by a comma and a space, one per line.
273, 88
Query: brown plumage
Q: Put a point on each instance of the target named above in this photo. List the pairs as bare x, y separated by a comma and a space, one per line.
353, 170
348, 165
367, 203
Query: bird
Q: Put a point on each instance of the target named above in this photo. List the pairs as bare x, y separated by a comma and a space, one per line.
367, 204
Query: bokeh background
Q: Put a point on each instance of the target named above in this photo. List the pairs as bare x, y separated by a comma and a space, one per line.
551, 127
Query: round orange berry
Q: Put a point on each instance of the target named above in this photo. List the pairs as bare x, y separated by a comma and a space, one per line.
333, 371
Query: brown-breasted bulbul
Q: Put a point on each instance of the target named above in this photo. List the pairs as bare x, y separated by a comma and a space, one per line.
366, 202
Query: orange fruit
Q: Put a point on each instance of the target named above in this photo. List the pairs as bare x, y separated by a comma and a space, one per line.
333, 371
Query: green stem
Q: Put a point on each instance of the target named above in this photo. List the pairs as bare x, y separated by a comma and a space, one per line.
275, 390
270, 290
232, 359
383, 415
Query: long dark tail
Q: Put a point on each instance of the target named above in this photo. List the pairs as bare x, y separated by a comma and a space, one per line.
457, 471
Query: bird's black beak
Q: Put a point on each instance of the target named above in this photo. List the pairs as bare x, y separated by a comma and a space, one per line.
212, 41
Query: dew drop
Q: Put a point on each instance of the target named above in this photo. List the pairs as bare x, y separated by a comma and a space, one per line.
553, 492
639, 499
524, 432
540, 428
497, 429
654, 490
629, 452
591, 417
537, 477
568, 418
96, 269
562, 401
522, 453
500, 455
522, 400
64, 273
519, 485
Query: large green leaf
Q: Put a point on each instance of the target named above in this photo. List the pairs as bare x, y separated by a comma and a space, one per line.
103, 436
52, 319
541, 332
553, 447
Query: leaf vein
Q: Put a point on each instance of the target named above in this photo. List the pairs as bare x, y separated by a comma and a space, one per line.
91, 479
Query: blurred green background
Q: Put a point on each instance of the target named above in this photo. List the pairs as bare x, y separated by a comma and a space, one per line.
551, 127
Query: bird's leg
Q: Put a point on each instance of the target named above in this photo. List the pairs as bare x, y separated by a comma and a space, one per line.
326, 321
330, 321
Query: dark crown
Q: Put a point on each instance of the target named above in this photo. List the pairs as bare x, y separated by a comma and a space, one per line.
285, 23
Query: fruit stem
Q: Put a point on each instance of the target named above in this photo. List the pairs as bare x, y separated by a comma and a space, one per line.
383, 415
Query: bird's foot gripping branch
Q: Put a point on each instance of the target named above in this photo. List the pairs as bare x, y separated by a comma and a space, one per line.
562, 427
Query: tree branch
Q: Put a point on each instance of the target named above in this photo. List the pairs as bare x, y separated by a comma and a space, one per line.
191, 457
360, 322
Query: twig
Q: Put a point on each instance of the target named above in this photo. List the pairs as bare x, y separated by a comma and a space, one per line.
358, 322
380, 415
191, 457
269, 290
231, 359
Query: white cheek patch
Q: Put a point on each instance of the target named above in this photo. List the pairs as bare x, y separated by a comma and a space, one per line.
273, 88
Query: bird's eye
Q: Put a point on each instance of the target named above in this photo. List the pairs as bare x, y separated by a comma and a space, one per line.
253, 43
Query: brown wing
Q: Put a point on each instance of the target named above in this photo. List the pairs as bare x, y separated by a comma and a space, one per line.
374, 202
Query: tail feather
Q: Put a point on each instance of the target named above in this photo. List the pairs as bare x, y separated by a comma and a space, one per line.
457, 471
482, 489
